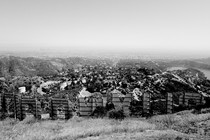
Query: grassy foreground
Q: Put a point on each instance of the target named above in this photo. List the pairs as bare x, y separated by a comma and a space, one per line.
184, 125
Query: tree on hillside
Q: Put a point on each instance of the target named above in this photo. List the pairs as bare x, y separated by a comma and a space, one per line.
11, 67
1, 69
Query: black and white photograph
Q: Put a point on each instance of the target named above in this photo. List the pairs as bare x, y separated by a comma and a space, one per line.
104, 69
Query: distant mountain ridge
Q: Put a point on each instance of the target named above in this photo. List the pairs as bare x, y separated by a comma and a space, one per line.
164, 64
33, 66
189, 64
30, 66
16, 66
204, 60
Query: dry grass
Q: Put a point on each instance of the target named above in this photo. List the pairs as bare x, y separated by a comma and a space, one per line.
158, 127
98, 127
185, 122
73, 129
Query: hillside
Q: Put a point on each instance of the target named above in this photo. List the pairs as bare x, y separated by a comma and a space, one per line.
31, 66
189, 64
204, 60
16, 66
164, 64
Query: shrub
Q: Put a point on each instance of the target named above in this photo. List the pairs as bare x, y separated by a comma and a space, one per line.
29, 120
164, 121
117, 114
158, 108
135, 108
109, 106
9, 121
205, 110
180, 108
99, 111
185, 112
2, 116
76, 118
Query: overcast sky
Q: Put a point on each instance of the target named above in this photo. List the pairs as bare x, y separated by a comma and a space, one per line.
159, 26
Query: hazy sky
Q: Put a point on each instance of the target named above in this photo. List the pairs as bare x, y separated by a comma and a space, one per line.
159, 26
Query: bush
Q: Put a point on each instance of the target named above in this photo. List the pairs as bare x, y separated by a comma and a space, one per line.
29, 120
180, 108
158, 108
117, 114
9, 121
99, 111
2, 116
109, 106
205, 110
136, 108
164, 121
76, 118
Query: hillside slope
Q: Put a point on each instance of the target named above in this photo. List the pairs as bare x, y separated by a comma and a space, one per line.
31, 66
